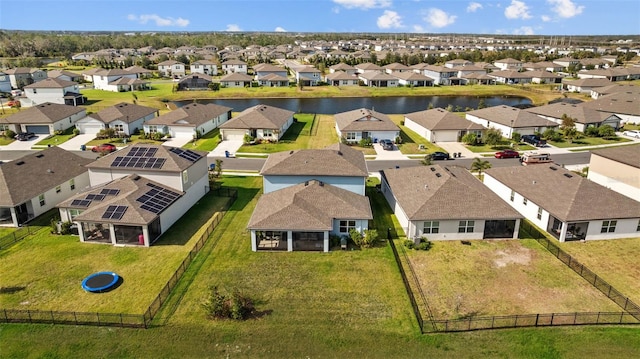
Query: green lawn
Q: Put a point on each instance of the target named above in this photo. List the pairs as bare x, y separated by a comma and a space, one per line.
342, 304
588, 141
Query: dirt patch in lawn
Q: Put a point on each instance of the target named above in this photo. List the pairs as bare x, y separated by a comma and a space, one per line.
501, 278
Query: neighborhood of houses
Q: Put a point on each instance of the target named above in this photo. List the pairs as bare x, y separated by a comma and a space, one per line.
133, 195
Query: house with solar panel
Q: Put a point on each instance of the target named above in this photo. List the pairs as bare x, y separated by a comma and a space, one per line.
137, 194
308, 196
36, 183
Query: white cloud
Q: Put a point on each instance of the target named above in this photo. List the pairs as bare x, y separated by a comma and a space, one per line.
363, 4
160, 21
473, 6
390, 19
280, 29
546, 18
418, 28
524, 30
565, 8
438, 18
233, 27
517, 10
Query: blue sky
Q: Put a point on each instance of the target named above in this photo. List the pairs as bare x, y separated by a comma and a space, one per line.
528, 17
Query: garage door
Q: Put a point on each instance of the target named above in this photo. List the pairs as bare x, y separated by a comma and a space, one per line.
39, 130
91, 129
233, 134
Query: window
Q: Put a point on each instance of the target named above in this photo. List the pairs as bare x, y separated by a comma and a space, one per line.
58, 189
608, 226
41, 199
345, 226
72, 184
351, 136
539, 213
431, 227
513, 195
466, 226
524, 201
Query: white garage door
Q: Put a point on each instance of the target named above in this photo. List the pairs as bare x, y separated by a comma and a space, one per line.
233, 135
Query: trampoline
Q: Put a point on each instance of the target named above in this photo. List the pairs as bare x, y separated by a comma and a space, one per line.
100, 282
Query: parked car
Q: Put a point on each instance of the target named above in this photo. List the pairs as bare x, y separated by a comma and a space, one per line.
507, 154
632, 133
25, 136
436, 156
534, 140
386, 144
104, 147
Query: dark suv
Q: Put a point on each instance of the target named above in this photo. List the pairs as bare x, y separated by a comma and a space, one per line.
534, 140
386, 144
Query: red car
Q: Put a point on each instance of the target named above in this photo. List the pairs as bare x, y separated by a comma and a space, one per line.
105, 147
507, 154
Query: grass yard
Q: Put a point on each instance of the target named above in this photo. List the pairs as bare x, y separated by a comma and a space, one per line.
343, 304
501, 277
48, 269
615, 261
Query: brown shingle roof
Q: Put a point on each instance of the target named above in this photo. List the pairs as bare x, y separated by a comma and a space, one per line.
440, 119
310, 206
259, 117
629, 155
32, 175
191, 115
364, 120
435, 192
123, 111
44, 113
335, 160
565, 195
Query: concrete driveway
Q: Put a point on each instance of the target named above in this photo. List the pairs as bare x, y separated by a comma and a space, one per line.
22, 145
227, 145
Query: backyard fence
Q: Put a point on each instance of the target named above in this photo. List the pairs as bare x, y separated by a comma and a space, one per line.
122, 319
13, 237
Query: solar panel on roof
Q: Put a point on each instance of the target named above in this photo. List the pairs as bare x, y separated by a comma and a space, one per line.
80, 203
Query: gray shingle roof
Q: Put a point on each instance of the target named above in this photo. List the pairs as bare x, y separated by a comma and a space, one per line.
504, 115
364, 120
437, 193
308, 206
629, 155
190, 115
44, 113
335, 160
32, 175
440, 119
573, 198
123, 111
259, 117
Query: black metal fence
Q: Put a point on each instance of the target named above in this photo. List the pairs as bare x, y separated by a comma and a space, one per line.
122, 319
16, 236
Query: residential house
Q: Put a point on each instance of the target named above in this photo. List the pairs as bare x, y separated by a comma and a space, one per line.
118, 80
44, 119
205, 67
446, 203
509, 119
584, 117
195, 81
234, 66
189, 121
617, 168
53, 90
341, 78
22, 76
124, 118
171, 68
34, 184
353, 126
137, 194
310, 195
508, 64
564, 204
378, 79
439, 125
236, 79
260, 122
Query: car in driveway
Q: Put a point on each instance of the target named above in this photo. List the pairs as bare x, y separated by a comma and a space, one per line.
387, 145
437, 156
104, 148
507, 154
25, 136
632, 133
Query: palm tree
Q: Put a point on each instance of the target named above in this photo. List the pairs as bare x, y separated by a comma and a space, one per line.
479, 165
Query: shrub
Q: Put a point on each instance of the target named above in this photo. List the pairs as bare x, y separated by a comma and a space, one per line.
236, 305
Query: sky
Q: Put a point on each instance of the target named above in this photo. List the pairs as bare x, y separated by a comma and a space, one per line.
507, 17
